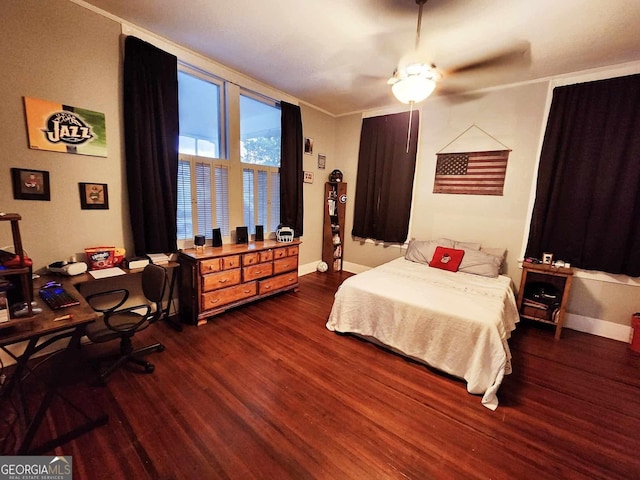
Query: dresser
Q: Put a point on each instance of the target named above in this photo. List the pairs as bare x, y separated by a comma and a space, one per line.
216, 279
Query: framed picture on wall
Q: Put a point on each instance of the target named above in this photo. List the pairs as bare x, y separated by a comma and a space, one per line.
94, 196
30, 184
322, 161
308, 146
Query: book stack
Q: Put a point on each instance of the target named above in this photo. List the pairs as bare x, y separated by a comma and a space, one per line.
541, 310
533, 303
158, 258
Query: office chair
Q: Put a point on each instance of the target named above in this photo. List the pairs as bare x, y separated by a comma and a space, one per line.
124, 323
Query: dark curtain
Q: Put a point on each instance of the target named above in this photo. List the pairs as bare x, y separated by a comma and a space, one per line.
384, 183
587, 206
151, 145
291, 173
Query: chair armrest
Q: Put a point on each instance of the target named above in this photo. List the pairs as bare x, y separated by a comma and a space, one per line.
121, 295
147, 317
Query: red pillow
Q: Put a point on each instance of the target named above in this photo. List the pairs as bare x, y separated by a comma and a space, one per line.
447, 258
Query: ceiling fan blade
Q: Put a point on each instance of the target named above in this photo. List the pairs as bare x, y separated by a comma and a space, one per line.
518, 54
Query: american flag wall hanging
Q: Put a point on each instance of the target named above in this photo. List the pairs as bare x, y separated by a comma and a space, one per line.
471, 173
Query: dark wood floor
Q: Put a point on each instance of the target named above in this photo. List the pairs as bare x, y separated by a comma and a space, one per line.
267, 392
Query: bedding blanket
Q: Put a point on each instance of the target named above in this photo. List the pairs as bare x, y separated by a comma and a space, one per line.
456, 322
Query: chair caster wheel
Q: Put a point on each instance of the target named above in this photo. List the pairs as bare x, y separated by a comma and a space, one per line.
149, 368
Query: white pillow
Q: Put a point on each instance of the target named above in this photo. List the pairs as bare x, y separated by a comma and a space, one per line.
421, 251
445, 242
480, 263
501, 253
467, 245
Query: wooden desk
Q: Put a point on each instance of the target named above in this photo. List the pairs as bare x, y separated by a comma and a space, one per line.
45, 325
86, 278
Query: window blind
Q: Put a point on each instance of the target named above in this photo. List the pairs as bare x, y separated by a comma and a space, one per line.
184, 218
203, 199
221, 180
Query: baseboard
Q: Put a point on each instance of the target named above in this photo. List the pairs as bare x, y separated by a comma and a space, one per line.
307, 268
346, 266
596, 326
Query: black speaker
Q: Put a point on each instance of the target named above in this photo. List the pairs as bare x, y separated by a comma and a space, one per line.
259, 233
217, 238
199, 240
242, 235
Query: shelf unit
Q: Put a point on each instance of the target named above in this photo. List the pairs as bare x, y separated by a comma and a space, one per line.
23, 271
545, 310
335, 201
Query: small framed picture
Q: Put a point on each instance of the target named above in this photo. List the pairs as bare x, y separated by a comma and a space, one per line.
308, 177
94, 196
322, 161
547, 258
308, 146
30, 184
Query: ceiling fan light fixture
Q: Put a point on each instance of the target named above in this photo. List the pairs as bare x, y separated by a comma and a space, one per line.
416, 81
413, 88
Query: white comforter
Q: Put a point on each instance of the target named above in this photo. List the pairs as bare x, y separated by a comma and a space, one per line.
456, 322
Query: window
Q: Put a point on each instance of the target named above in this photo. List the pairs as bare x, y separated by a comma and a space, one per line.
587, 193
200, 181
203, 191
200, 116
384, 183
208, 176
260, 157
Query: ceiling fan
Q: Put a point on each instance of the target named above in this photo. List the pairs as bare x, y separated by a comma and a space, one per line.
414, 80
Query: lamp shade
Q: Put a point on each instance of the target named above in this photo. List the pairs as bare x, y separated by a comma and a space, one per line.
413, 88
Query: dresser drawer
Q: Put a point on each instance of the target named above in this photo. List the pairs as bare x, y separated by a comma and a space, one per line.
250, 259
285, 265
253, 272
208, 266
225, 296
275, 283
291, 251
266, 255
222, 279
232, 261
280, 252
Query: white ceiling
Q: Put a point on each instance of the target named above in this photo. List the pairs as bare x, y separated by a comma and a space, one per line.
338, 54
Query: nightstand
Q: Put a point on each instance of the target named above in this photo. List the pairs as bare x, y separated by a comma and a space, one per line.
544, 292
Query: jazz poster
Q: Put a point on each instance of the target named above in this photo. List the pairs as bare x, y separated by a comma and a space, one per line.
62, 128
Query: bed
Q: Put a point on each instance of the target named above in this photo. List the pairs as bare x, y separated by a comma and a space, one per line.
454, 321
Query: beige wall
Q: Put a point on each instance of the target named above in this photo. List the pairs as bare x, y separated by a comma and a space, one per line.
58, 51
514, 116
321, 128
